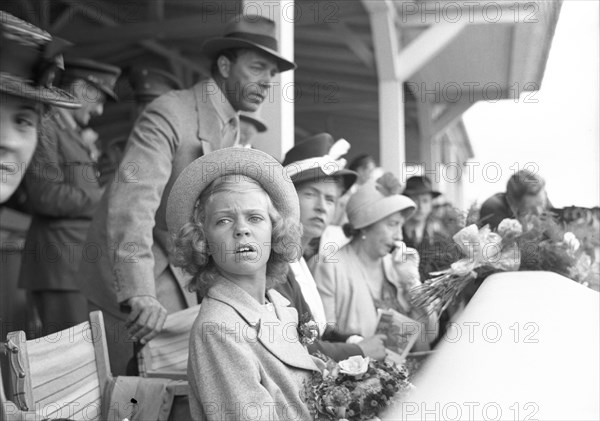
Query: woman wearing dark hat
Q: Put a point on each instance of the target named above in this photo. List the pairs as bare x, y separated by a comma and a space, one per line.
29, 60
234, 215
316, 167
366, 276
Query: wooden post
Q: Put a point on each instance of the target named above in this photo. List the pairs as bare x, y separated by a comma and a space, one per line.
392, 150
278, 109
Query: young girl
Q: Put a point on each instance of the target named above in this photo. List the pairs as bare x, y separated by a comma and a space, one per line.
235, 216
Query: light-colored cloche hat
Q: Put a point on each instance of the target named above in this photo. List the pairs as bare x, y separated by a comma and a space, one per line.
377, 199
30, 60
249, 31
230, 161
318, 157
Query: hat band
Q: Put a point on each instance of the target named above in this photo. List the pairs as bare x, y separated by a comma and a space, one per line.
329, 163
264, 40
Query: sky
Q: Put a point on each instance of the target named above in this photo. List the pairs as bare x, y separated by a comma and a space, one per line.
558, 136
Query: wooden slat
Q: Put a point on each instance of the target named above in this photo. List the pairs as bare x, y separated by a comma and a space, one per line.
64, 374
167, 354
100, 349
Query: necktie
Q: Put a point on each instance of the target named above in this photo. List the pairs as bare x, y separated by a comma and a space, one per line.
231, 135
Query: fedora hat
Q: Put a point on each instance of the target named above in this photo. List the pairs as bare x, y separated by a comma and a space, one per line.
101, 75
378, 199
30, 59
254, 118
318, 157
419, 185
230, 161
149, 83
249, 31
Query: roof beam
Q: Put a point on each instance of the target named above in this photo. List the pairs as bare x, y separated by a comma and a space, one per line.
392, 148
426, 46
156, 10
427, 13
339, 107
188, 27
153, 46
355, 43
454, 112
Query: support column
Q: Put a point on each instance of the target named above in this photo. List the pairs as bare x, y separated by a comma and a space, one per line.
278, 110
392, 149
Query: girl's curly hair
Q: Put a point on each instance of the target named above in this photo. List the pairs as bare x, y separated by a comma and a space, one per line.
191, 250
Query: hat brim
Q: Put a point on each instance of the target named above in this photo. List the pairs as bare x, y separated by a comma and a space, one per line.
252, 163
386, 206
260, 126
110, 94
51, 96
213, 46
416, 192
315, 174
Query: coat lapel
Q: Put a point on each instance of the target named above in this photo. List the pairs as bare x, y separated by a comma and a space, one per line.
209, 127
276, 331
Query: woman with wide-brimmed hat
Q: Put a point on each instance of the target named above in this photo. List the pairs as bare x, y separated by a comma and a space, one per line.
235, 217
364, 276
29, 61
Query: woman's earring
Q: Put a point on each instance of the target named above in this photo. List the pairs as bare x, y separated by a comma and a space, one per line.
363, 237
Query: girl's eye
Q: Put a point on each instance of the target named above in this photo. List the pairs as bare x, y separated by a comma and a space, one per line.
223, 221
26, 121
256, 218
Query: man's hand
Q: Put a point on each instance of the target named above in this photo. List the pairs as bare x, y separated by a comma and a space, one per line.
373, 347
146, 318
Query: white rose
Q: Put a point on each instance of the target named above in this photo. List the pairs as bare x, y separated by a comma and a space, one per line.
354, 366
570, 240
510, 227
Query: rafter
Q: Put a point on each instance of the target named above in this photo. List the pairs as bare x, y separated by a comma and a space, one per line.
153, 46
355, 43
187, 27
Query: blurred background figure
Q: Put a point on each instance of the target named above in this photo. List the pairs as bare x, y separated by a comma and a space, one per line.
250, 125
426, 233
62, 193
147, 84
525, 195
364, 165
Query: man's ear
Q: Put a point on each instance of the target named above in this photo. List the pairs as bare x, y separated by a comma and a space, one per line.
224, 66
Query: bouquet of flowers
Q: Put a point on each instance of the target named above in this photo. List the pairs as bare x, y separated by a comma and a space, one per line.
355, 389
542, 244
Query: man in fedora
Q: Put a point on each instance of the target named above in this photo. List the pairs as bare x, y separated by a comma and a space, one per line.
133, 281
316, 168
147, 83
62, 193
